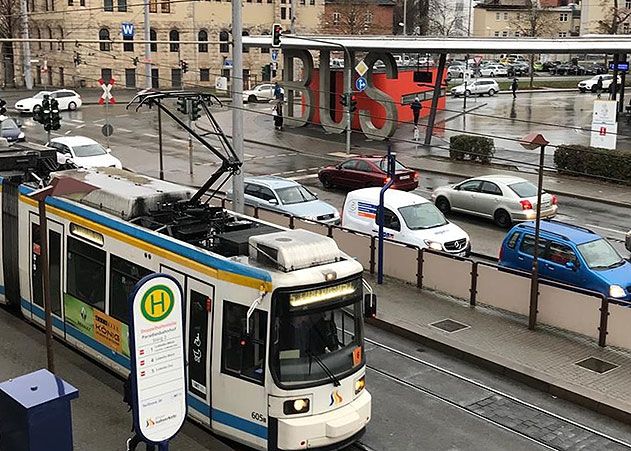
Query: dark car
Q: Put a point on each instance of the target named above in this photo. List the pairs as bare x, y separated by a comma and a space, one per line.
595, 69
363, 172
10, 130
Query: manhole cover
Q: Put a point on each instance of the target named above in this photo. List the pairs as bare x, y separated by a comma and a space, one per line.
449, 325
596, 365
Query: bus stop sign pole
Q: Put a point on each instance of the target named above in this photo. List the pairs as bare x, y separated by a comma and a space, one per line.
391, 159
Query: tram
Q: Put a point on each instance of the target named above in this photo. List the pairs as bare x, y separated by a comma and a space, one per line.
274, 326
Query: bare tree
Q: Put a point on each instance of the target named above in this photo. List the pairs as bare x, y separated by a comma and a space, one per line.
9, 17
443, 21
351, 17
613, 18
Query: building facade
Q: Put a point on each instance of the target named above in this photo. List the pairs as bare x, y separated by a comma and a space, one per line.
358, 17
175, 64
597, 16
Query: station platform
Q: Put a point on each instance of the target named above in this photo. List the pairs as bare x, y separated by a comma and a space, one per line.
546, 358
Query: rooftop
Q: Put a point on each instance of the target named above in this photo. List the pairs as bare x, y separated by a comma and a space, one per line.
578, 235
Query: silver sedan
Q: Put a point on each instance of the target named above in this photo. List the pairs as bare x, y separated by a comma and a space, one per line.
505, 199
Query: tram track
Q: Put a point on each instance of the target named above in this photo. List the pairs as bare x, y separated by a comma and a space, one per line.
538, 425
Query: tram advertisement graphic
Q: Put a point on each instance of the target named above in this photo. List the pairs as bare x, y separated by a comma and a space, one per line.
197, 339
157, 354
97, 325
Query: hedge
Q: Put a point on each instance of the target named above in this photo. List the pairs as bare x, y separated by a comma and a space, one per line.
576, 160
472, 148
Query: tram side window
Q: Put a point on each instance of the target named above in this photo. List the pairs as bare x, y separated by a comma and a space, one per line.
86, 273
244, 361
123, 276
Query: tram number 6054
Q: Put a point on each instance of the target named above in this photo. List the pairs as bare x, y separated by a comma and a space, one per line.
259, 417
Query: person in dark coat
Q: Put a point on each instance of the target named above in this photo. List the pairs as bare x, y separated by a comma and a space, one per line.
599, 86
278, 113
134, 440
278, 92
513, 88
416, 110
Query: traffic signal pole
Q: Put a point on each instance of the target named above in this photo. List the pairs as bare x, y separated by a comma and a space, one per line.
190, 138
237, 104
348, 90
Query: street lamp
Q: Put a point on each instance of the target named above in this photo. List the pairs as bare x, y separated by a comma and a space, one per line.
531, 142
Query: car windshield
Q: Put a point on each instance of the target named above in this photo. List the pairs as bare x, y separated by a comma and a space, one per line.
600, 254
41, 94
295, 195
524, 189
383, 165
89, 150
422, 216
317, 334
9, 124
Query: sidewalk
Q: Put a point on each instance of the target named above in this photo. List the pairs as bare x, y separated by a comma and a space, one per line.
545, 358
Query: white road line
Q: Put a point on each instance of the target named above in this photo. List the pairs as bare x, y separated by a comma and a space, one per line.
607, 229
68, 132
149, 135
303, 177
277, 173
342, 154
124, 130
181, 141
301, 170
122, 115
313, 169
247, 155
79, 126
78, 121
98, 120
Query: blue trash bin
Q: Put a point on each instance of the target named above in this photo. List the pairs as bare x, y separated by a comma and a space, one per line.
35, 413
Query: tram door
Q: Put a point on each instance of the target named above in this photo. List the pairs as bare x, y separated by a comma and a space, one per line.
55, 265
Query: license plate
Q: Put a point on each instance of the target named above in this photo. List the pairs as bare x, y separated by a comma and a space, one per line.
404, 177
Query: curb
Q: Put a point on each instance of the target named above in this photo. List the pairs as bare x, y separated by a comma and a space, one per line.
526, 376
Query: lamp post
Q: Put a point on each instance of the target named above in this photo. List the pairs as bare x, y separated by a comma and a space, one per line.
531, 142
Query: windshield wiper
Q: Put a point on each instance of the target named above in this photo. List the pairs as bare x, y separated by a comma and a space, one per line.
327, 371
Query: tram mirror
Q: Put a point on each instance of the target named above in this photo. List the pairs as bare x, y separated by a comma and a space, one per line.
370, 305
273, 201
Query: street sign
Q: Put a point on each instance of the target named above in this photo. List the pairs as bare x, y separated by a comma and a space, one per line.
361, 84
274, 54
361, 68
227, 64
107, 130
127, 29
623, 66
604, 125
477, 59
157, 357
107, 92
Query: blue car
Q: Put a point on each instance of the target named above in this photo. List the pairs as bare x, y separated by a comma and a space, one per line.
571, 255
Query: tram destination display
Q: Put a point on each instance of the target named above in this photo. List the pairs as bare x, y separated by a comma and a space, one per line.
157, 351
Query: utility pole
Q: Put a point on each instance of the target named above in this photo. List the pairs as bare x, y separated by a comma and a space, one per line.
348, 91
26, 47
190, 138
405, 17
148, 81
237, 103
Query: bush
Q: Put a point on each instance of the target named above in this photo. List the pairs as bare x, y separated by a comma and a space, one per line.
576, 160
471, 147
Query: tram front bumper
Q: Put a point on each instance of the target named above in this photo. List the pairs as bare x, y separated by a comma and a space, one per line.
325, 429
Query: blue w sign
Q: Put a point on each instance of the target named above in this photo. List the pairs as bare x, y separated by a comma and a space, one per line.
127, 29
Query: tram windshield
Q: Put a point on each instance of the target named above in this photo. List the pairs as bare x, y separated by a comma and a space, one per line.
317, 335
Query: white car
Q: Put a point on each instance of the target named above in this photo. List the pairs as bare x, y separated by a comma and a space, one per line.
492, 70
262, 92
590, 84
456, 71
84, 152
479, 86
67, 99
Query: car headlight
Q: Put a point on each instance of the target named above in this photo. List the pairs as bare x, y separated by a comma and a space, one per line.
434, 245
21, 135
616, 291
360, 384
296, 406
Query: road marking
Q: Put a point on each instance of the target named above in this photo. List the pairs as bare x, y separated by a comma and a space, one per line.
342, 154
301, 170
124, 130
247, 155
78, 121
99, 120
79, 126
181, 141
149, 135
607, 229
303, 177
122, 115
68, 132
313, 169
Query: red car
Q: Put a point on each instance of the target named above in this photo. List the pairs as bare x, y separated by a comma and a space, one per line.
363, 172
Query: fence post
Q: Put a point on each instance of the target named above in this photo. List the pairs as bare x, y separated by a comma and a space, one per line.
329, 231
256, 212
291, 222
474, 284
604, 318
419, 269
372, 255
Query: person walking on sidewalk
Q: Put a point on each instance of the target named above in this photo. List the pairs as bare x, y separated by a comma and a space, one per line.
277, 112
599, 86
134, 440
514, 87
416, 110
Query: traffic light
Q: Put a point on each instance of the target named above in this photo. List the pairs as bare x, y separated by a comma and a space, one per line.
277, 31
55, 119
343, 100
181, 105
45, 113
353, 104
195, 110
184, 66
3, 107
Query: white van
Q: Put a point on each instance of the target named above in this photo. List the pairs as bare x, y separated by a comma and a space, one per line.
408, 218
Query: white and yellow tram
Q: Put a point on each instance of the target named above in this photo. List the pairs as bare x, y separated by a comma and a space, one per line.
291, 376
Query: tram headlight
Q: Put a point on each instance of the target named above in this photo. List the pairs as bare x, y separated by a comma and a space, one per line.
295, 406
360, 384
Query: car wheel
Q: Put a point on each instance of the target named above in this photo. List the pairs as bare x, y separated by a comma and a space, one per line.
443, 205
582, 90
502, 219
492, 74
252, 98
491, 92
467, 93
72, 106
326, 182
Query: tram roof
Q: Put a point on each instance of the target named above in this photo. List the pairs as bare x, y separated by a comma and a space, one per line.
423, 44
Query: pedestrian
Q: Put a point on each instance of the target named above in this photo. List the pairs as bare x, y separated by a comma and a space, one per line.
277, 112
278, 92
599, 86
134, 440
513, 88
416, 110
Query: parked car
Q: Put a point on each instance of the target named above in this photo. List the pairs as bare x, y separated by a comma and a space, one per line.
362, 172
264, 92
595, 68
67, 99
492, 70
517, 69
287, 196
571, 255
538, 66
84, 152
458, 71
627, 241
408, 218
10, 129
590, 84
479, 86
503, 198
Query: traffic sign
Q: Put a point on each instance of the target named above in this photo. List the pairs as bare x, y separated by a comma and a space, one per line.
107, 92
361, 68
107, 130
157, 357
361, 84
477, 59
623, 66
274, 54
127, 29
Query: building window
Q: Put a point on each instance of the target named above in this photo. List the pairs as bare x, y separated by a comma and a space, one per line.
50, 36
627, 4
70, 3
563, 17
153, 36
176, 78
302, 2
312, 2
153, 6
39, 36
123, 274
86, 273
504, 34
496, 34
204, 75
517, 34
106, 73
202, 36
122, 6
336, 18
30, 6
223, 37
155, 78
81, 2
166, 7
369, 17
128, 46
174, 37
104, 35
625, 28
62, 45
245, 33
108, 5
498, 16
505, 16
283, 13
130, 78
563, 34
